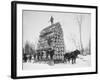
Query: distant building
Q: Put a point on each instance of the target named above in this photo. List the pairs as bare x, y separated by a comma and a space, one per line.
52, 37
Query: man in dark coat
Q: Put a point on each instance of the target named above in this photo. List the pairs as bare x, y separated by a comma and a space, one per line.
51, 20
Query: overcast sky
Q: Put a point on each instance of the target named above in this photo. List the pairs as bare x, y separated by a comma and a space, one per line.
35, 21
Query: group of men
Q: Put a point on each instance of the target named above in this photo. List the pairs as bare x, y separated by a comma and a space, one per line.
45, 55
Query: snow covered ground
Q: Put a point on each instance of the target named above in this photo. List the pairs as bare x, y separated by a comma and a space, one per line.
82, 61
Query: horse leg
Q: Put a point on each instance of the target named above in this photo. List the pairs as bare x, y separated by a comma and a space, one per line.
46, 56
72, 61
75, 60
68, 60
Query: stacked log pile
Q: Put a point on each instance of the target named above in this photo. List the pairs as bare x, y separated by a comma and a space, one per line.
52, 37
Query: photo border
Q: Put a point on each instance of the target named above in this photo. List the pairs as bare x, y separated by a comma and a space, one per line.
14, 38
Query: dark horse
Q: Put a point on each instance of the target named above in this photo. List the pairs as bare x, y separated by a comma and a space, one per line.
67, 56
72, 56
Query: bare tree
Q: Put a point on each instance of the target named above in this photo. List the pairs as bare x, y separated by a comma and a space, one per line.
74, 40
79, 20
89, 46
27, 48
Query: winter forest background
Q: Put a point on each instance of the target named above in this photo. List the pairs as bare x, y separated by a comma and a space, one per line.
76, 33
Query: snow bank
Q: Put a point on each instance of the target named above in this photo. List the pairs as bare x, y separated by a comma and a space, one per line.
81, 61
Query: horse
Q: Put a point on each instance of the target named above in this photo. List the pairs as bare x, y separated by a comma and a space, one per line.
74, 55
71, 56
67, 56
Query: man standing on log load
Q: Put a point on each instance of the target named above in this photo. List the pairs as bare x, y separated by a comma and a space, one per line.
51, 20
